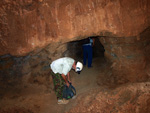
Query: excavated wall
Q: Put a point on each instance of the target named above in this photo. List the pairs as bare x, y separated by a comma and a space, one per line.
28, 24
35, 32
129, 56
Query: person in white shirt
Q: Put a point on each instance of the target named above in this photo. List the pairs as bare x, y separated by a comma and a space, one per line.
61, 76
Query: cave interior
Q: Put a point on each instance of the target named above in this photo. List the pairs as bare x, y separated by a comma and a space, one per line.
35, 33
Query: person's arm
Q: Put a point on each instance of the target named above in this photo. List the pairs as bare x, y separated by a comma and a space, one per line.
68, 76
65, 78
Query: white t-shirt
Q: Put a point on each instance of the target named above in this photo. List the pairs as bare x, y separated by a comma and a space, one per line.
62, 65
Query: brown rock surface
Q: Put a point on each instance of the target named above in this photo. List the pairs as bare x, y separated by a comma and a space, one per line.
27, 24
129, 56
39, 31
132, 98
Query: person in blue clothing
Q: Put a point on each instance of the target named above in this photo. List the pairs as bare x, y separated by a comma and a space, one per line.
88, 52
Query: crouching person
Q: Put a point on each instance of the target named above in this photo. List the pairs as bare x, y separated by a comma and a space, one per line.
60, 74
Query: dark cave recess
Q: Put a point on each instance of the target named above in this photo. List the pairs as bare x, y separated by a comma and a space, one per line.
74, 48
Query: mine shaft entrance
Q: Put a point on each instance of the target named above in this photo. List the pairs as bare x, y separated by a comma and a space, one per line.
75, 48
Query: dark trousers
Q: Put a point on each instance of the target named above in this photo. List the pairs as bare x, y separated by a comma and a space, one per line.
87, 54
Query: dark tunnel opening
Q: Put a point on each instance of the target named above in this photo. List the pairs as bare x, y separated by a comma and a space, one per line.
75, 48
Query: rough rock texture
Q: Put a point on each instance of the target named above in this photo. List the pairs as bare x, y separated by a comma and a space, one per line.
129, 56
130, 98
33, 68
38, 32
27, 24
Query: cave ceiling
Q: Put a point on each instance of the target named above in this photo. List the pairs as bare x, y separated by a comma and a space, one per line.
28, 24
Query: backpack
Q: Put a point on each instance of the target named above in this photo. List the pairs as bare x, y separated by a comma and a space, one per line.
69, 92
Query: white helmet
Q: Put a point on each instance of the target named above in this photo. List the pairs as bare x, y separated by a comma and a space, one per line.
79, 67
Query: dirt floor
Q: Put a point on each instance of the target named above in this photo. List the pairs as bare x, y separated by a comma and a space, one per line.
92, 89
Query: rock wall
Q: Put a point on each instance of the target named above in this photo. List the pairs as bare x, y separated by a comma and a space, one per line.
17, 73
28, 24
129, 56
33, 33
130, 98
44, 27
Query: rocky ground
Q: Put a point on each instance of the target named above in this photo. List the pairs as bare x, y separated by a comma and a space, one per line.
96, 92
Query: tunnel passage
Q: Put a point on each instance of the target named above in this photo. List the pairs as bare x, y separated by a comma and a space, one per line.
128, 56
75, 49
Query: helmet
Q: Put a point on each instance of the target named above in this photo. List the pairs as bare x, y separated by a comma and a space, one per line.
79, 67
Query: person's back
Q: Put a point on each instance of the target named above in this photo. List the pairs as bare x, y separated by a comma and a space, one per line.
62, 65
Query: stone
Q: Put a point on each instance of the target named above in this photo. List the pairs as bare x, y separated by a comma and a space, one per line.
31, 24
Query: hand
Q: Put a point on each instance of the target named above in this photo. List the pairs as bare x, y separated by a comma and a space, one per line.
69, 81
67, 84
